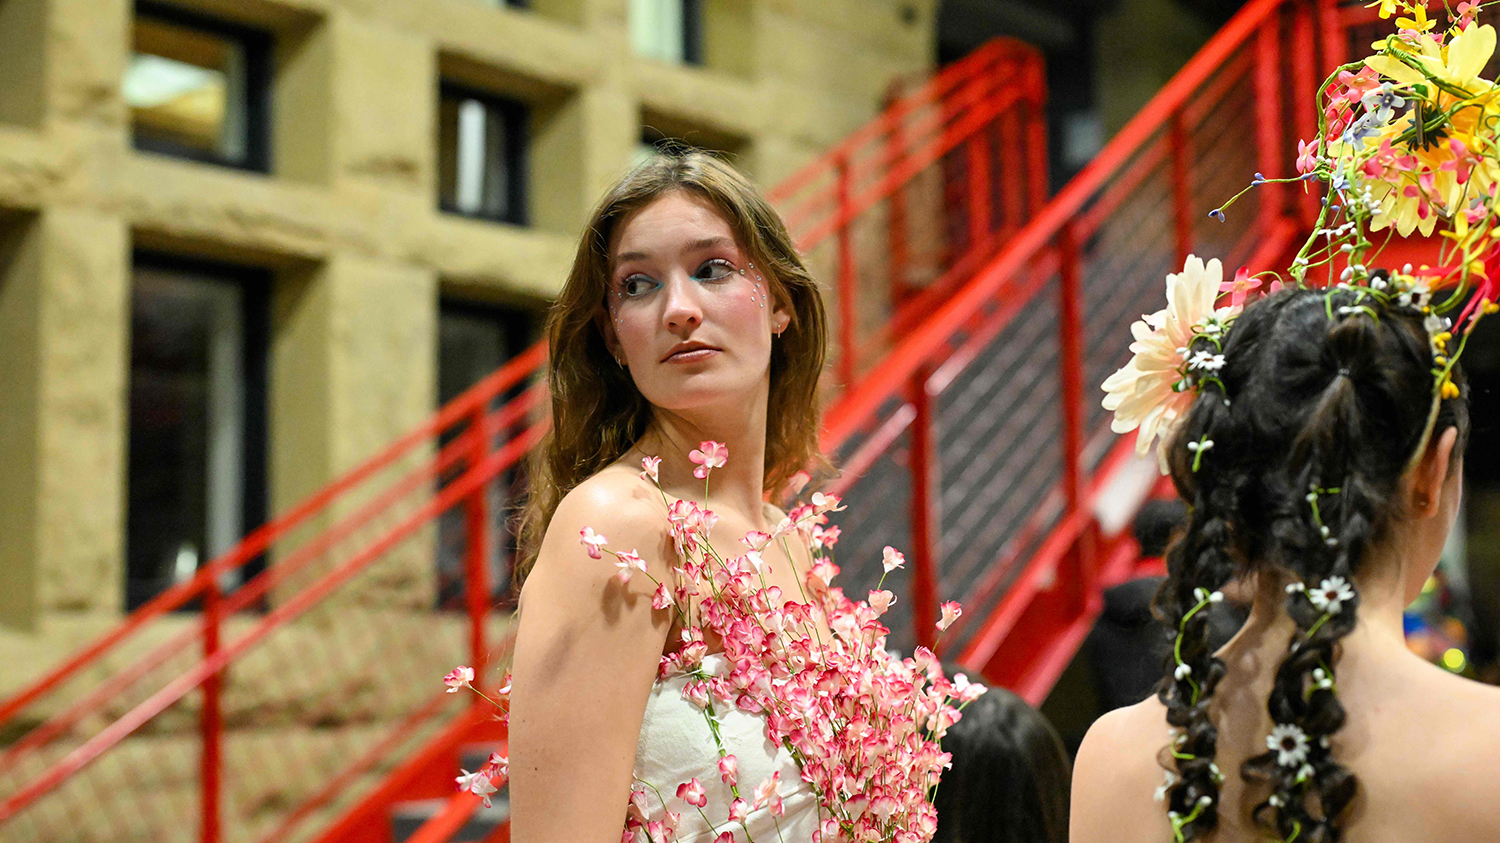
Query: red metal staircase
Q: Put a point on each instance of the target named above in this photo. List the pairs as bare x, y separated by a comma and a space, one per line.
299, 705
971, 340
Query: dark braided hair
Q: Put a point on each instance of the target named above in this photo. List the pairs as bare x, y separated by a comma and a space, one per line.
1290, 457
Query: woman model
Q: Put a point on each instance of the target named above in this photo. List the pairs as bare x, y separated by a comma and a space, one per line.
1322, 459
688, 317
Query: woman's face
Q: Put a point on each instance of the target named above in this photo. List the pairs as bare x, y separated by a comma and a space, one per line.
685, 310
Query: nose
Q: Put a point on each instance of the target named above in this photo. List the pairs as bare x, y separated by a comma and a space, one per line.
683, 310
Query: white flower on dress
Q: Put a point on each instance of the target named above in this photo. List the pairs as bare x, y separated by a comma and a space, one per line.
1148, 392
1331, 594
1289, 743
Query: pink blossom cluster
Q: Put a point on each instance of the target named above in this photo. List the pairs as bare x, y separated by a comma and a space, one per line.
862, 724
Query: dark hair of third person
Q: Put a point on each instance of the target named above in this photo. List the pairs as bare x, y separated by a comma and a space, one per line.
1320, 390
1010, 775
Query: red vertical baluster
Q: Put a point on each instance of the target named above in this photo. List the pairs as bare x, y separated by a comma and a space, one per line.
847, 277
924, 535
1268, 126
477, 542
1182, 189
1335, 37
1304, 103
1037, 188
211, 719
1011, 162
977, 155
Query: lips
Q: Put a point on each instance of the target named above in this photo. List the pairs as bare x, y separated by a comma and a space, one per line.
687, 352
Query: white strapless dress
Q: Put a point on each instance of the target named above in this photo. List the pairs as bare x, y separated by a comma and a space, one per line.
676, 745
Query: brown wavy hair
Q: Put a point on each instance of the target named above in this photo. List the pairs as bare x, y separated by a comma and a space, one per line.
597, 413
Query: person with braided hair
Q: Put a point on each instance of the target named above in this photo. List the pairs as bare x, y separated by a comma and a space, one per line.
1317, 437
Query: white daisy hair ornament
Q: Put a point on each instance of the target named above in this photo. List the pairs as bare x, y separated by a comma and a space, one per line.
1287, 409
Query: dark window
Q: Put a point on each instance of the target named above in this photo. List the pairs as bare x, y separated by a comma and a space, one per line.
473, 341
199, 88
197, 479
481, 155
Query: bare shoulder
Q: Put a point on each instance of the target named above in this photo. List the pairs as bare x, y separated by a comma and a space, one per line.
617, 505
1461, 739
1115, 774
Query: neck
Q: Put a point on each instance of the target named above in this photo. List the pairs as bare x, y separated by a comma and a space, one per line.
1378, 626
740, 483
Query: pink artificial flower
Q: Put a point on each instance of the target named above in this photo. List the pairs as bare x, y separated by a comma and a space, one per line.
1240, 287
692, 793
697, 694
891, 559
628, 562
756, 540
1307, 156
708, 456
651, 469
662, 598
478, 784
729, 770
640, 809
738, 810
951, 611
827, 503
592, 541
966, 691
823, 537
497, 767
724, 837
504, 685
767, 790
459, 677
881, 600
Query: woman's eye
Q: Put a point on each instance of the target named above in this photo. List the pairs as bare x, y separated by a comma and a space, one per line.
714, 270
637, 285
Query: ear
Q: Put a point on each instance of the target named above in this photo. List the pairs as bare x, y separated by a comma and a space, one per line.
781, 317
1430, 474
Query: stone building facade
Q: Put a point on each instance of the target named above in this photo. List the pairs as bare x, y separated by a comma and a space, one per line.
240, 239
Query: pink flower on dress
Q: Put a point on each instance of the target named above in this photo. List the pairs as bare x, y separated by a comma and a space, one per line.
459, 677
891, 559
951, 611
708, 456
662, 598
729, 770
592, 541
692, 793
651, 469
881, 600
478, 784
738, 810
628, 562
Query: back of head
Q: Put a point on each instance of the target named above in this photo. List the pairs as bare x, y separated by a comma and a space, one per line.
1010, 774
597, 412
1291, 459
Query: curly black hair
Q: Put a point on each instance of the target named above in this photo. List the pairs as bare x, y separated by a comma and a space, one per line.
1321, 402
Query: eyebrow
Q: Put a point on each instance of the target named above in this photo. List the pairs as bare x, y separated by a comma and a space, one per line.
695, 246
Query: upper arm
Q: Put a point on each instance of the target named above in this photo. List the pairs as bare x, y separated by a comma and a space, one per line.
1110, 764
587, 650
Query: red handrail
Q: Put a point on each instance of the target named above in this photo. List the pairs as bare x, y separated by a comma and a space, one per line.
953, 106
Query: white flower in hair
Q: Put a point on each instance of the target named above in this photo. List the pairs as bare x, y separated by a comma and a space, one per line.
1169, 779
1289, 743
1331, 595
1150, 393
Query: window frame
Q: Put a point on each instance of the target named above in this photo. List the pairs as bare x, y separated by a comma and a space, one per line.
258, 46
515, 115
255, 286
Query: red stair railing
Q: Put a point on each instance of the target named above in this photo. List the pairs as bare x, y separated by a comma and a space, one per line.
982, 424
156, 720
